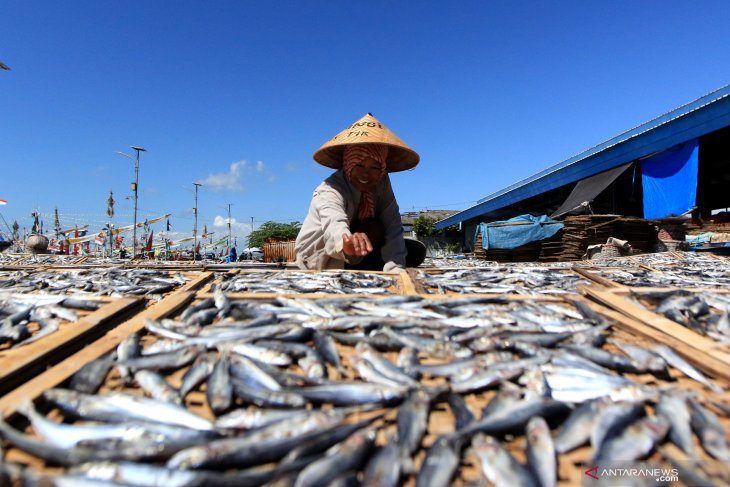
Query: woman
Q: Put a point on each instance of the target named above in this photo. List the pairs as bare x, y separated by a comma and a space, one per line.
353, 220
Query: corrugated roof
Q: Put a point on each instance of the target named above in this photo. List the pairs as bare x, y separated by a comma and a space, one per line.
704, 115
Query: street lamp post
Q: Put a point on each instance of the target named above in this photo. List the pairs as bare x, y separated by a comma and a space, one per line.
195, 224
229, 227
134, 188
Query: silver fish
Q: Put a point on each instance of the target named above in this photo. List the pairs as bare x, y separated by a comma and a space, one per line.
219, 389
157, 387
576, 429
442, 460
674, 408
541, 452
412, 421
350, 394
613, 419
498, 465
118, 407
348, 455
710, 431
383, 469
679, 363
636, 441
256, 448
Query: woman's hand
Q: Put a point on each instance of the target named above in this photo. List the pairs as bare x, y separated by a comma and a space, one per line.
356, 245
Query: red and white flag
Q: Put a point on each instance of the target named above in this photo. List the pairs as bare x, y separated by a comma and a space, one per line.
3, 202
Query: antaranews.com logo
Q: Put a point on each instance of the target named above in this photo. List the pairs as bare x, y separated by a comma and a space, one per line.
616, 472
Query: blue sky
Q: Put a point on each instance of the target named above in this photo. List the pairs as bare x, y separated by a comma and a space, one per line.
239, 94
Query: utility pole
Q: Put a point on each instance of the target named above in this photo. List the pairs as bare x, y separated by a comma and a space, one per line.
195, 225
110, 214
229, 225
135, 184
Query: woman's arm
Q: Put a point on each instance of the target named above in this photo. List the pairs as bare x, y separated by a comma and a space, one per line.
332, 210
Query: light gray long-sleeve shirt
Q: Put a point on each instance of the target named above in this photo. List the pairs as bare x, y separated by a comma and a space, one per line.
333, 208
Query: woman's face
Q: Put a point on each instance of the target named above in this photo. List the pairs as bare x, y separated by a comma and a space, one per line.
365, 174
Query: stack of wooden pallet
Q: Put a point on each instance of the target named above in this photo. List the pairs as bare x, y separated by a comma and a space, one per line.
583, 230
551, 249
640, 233
525, 253
479, 251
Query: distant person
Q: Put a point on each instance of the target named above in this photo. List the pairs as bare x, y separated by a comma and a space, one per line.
353, 220
123, 253
232, 256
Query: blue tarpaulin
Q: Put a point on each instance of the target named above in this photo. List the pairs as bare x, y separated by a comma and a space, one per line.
670, 181
517, 231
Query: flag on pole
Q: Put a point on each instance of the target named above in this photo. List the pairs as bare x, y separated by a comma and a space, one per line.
149, 241
3, 202
169, 227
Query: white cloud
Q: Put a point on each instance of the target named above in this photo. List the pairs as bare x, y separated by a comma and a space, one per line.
230, 181
272, 178
260, 166
221, 222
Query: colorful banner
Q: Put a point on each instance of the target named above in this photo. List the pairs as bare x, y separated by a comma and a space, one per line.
115, 231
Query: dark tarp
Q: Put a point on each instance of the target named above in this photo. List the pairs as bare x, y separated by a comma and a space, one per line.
588, 189
670, 180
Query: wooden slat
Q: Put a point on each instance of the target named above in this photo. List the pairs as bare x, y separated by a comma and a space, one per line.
409, 283
596, 278
196, 282
294, 295
25, 360
66, 368
702, 352
415, 283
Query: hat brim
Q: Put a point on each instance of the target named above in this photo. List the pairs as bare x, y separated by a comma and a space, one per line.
399, 158
368, 130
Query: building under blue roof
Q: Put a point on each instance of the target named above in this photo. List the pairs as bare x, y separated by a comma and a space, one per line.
618, 176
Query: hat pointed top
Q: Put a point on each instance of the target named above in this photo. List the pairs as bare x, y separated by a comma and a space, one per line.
367, 130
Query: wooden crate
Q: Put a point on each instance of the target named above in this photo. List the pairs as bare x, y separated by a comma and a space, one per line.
423, 287
703, 352
20, 363
53, 376
402, 283
441, 420
74, 291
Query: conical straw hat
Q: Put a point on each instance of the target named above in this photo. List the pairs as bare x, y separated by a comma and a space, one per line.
367, 130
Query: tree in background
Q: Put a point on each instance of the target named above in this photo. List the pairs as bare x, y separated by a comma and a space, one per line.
425, 226
283, 231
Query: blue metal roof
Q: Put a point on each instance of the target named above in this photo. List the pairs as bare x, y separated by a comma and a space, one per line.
706, 114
